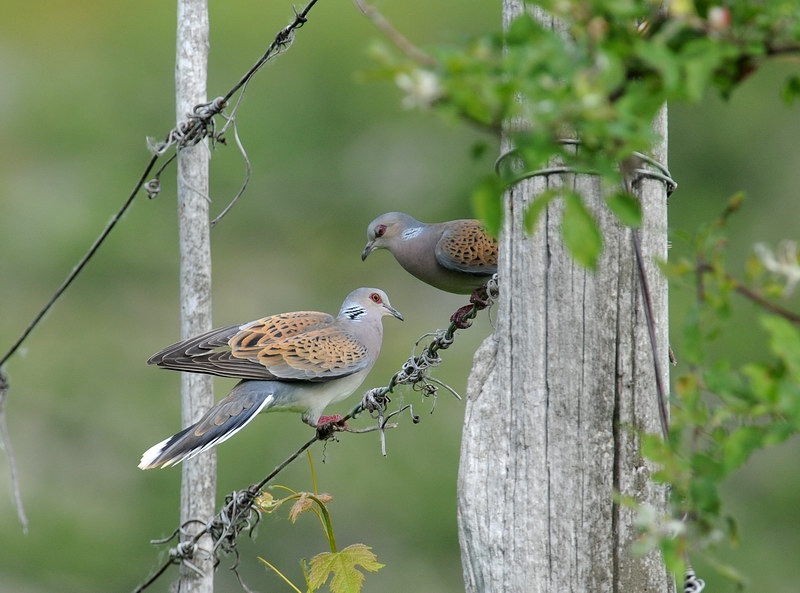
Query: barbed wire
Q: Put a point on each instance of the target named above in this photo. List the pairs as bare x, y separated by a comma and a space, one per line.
198, 125
238, 513
414, 371
691, 583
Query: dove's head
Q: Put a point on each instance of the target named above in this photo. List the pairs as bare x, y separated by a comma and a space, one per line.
385, 230
368, 302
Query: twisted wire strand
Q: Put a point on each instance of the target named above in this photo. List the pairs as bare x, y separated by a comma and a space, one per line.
661, 172
414, 371
691, 583
198, 125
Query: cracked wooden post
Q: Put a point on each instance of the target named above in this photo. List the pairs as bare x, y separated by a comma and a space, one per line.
198, 484
554, 401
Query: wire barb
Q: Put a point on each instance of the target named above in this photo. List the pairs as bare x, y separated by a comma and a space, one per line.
415, 370
692, 584
198, 125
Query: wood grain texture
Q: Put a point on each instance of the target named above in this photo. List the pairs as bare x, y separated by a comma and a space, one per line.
555, 398
198, 484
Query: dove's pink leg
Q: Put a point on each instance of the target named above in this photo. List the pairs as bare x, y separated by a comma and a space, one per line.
479, 299
327, 425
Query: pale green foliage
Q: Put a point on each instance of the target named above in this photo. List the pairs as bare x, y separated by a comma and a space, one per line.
721, 413
624, 59
346, 577
626, 207
604, 83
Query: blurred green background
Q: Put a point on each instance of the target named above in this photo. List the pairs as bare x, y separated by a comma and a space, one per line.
83, 83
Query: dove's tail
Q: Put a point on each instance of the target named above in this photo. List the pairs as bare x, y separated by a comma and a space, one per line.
220, 423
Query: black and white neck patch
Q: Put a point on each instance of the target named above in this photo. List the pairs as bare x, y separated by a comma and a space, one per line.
355, 312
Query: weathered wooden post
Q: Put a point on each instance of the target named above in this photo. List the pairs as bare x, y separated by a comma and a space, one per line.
555, 398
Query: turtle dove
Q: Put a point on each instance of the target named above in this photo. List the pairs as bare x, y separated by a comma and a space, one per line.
301, 362
456, 256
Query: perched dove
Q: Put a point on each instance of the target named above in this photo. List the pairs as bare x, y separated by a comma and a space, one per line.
299, 362
456, 256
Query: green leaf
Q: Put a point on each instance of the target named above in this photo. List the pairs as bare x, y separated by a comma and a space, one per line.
674, 550
784, 341
720, 379
740, 444
700, 58
659, 56
580, 232
346, 578
479, 149
626, 207
705, 495
762, 384
654, 448
788, 400
487, 201
791, 90
537, 206
521, 30
705, 463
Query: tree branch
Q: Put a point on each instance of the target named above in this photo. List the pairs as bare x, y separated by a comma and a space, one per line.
752, 295
395, 36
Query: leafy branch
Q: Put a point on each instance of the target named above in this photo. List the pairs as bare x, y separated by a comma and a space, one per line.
584, 102
721, 414
603, 82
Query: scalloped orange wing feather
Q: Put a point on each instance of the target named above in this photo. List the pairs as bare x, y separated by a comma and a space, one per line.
297, 347
465, 247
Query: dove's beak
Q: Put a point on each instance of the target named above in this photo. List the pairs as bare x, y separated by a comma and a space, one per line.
370, 247
392, 311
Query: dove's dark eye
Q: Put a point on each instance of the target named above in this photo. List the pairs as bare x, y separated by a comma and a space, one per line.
376, 298
379, 230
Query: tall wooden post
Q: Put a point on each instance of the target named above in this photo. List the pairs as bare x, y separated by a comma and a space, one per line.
555, 400
198, 486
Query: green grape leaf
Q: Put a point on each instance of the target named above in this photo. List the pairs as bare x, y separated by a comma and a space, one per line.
346, 577
705, 495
